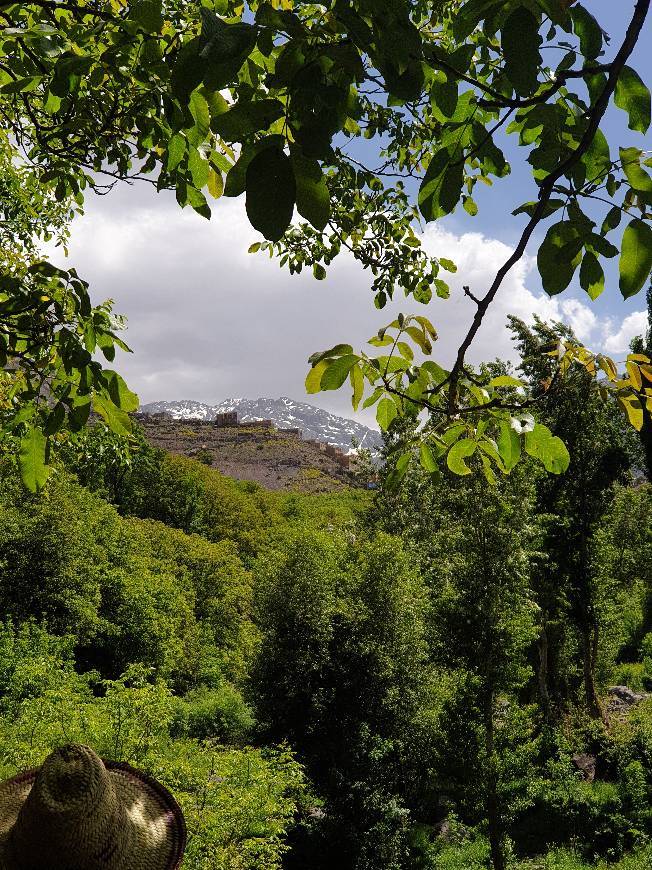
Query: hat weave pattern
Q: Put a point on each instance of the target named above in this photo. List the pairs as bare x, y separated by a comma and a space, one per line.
79, 813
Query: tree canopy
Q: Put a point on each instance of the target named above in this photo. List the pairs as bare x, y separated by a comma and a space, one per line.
365, 117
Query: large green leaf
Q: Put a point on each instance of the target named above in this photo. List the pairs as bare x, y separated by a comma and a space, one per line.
548, 449
555, 266
385, 413
224, 48
441, 187
509, 446
588, 30
198, 168
32, 462
443, 96
427, 459
271, 192
634, 98
591, 275
337, 372
119, 392
313, 378
635, 257
459, 452
246, 118
148, 14
115, 418
236, 179
176, 151
521, 42
313, 198
597, 159
638, 178
357, 382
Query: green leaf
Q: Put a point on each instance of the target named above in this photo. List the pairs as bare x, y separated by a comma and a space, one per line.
176, 151
441, 187
638, 178
246, 118
556, 268
398, 473
634, 410
34, 470
55, 419
612, 220
115, 418
461, 450
448, 265
200, 113
119, 392
427, 460
529, 208
635, 257
521, 42
215, 183
198, 202
633, 97
313, 198
591, 275
357, 382
509, 446
588, 30
597, 159
338, 350
236, 179
385, 413
444, 95
198, 168
505, 381
313, 379
547, 448
373, 398
271, 192
337, 372
147, 13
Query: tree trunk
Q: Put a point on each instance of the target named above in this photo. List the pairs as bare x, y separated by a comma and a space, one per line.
542, 672
494, 822
590, 640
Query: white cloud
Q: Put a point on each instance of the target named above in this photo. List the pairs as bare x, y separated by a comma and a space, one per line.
208, 321
618, 339
579, 317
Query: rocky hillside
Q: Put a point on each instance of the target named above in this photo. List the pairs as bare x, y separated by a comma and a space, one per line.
284, 413
273, 458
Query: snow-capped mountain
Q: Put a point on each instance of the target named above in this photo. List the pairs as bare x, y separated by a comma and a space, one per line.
284, 413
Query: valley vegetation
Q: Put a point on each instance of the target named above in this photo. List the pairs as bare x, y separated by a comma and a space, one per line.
416, 678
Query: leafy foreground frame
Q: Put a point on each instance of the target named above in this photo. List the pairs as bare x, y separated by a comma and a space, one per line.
272, 100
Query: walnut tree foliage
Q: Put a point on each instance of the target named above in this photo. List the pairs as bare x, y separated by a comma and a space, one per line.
273, 101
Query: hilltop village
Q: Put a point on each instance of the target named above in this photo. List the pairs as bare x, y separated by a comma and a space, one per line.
257, 450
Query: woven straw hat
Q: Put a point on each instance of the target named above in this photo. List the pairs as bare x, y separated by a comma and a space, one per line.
77, 812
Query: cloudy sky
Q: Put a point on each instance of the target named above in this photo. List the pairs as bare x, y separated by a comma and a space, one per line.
208, 321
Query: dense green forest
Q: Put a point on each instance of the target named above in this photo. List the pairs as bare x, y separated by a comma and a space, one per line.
413, 678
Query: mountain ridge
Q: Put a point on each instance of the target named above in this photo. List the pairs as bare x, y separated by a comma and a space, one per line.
284, 412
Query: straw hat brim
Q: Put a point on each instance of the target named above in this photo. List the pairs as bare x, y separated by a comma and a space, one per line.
157, 827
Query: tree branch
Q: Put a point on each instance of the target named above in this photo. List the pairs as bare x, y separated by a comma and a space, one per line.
641, 10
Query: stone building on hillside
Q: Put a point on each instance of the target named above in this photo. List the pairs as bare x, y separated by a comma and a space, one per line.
226, 420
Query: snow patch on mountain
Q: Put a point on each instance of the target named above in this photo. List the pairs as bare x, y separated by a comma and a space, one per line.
285, 413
